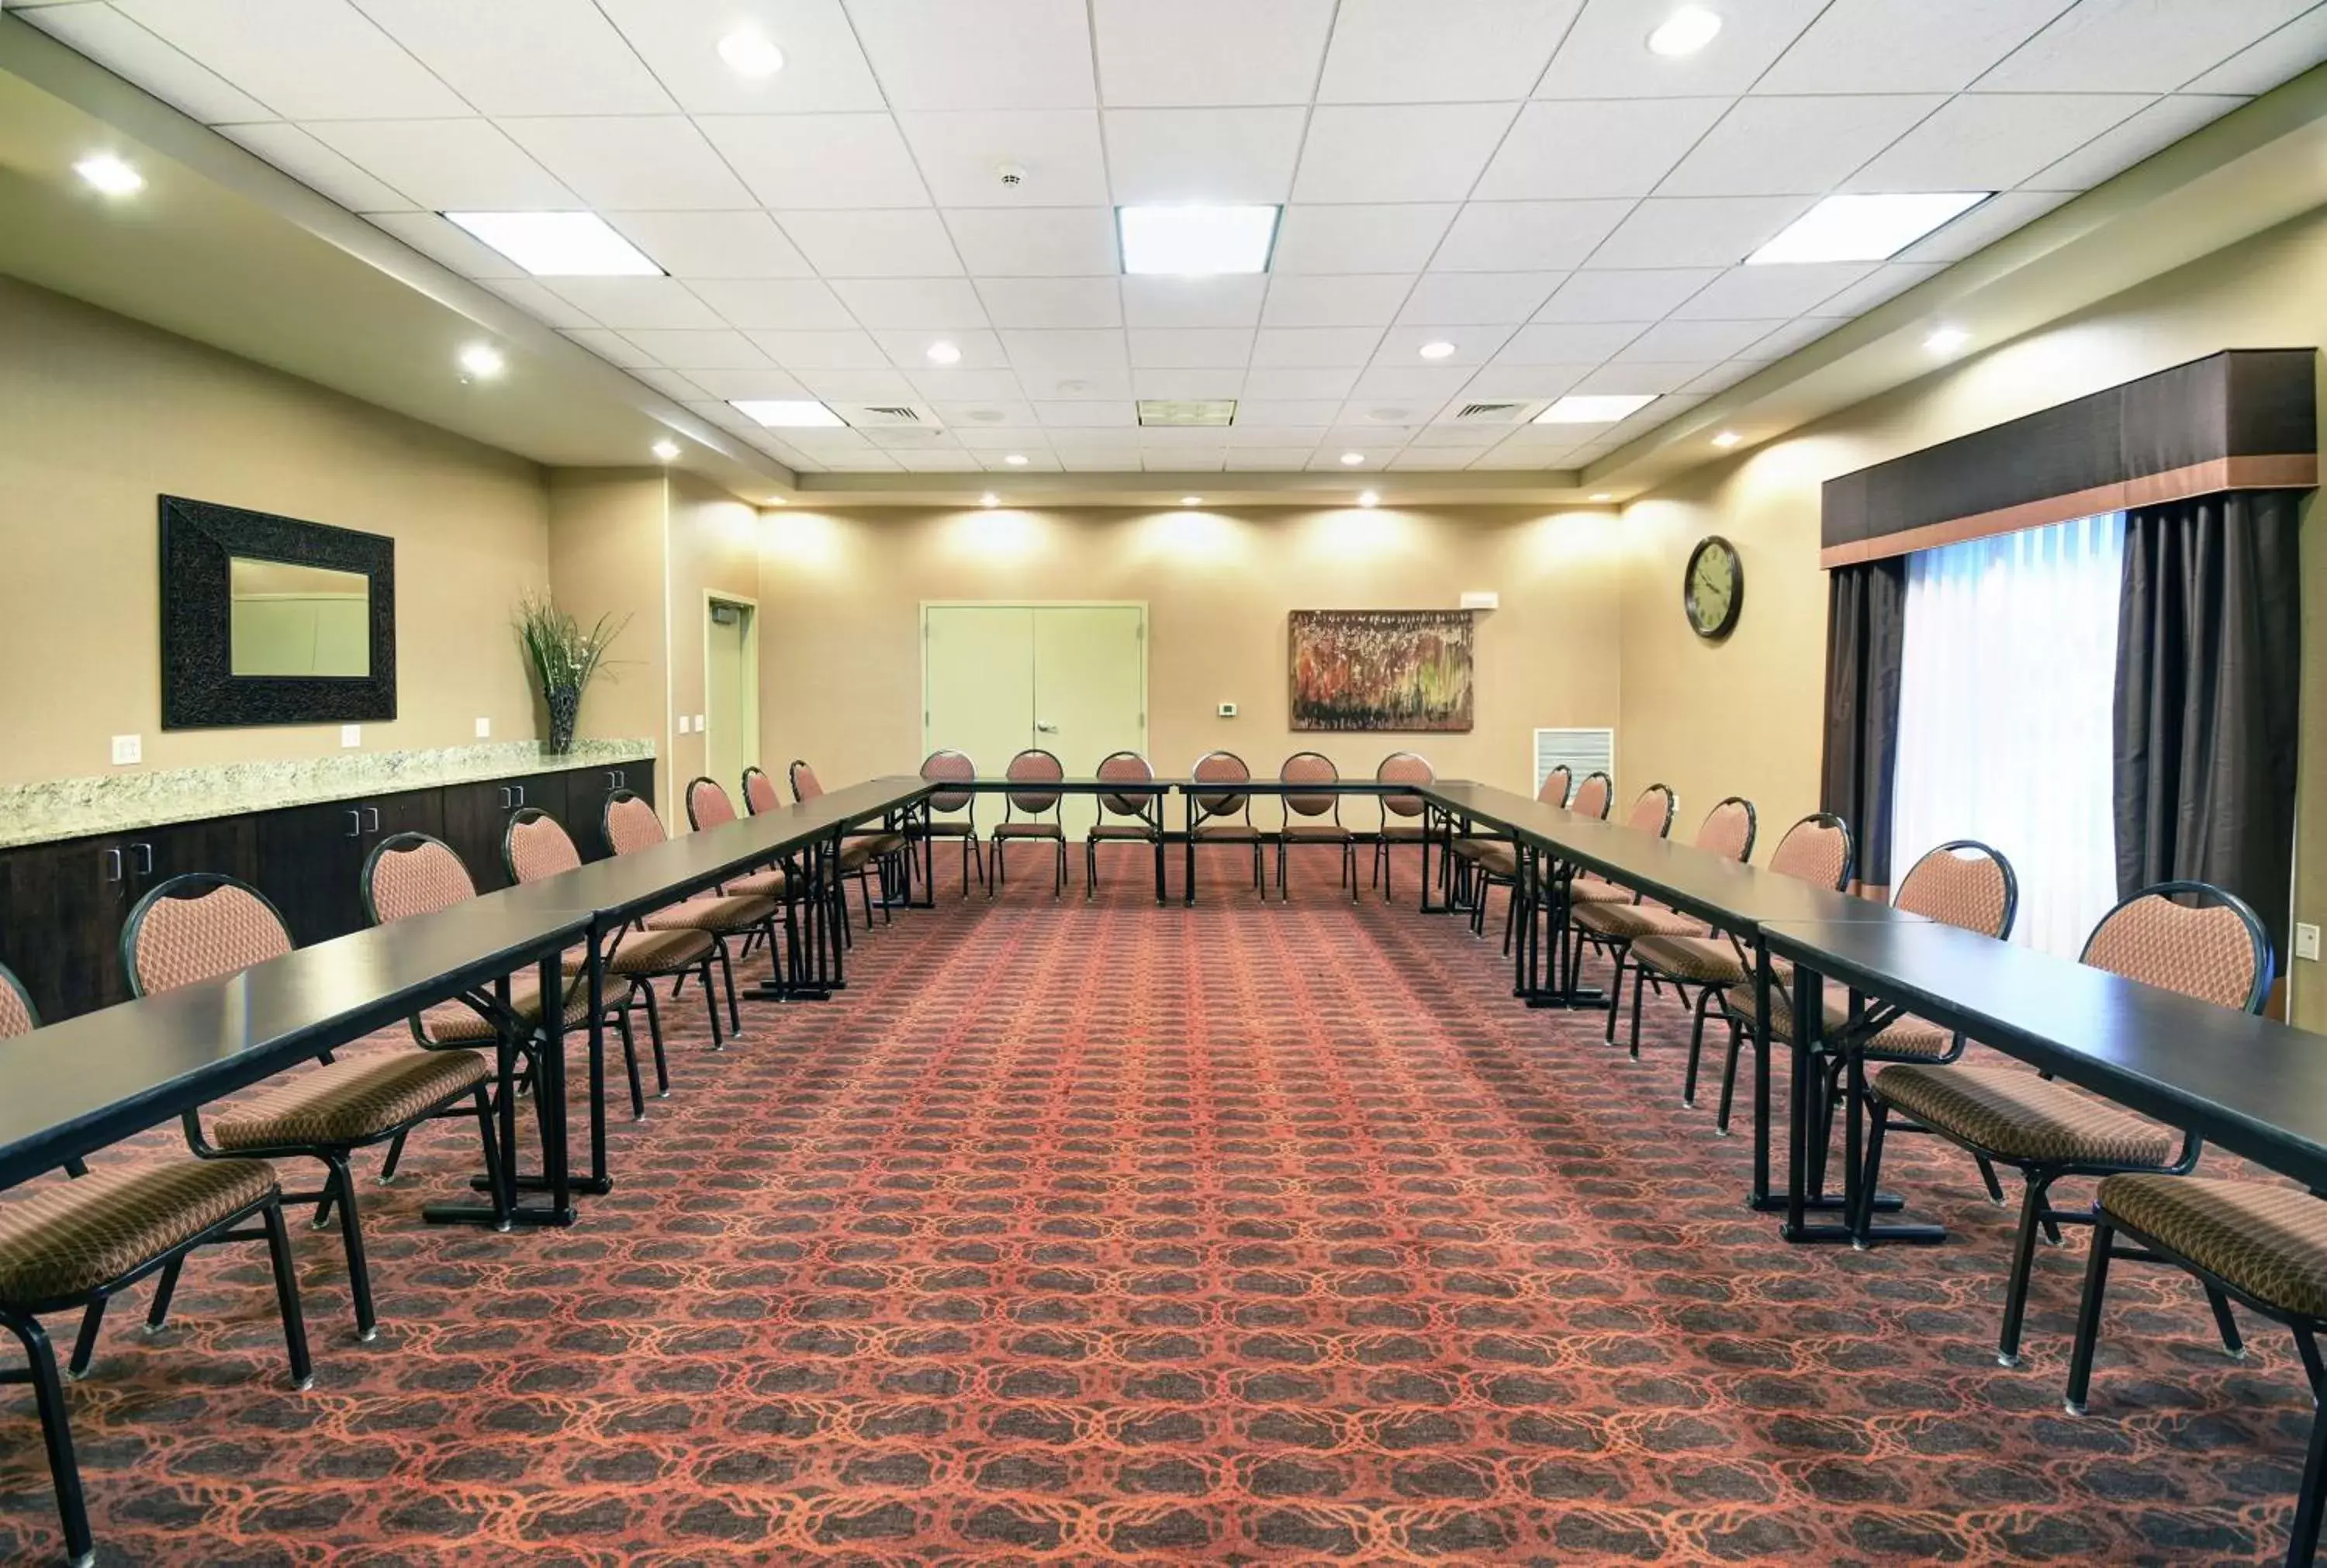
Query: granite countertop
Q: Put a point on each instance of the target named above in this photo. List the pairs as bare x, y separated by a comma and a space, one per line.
127, 801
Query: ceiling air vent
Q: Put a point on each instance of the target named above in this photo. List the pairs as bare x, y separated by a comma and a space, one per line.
887, 416
1187, 411
1496, 413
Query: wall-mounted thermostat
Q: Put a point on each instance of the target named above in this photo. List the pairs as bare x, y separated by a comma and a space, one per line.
1483, 601
1228, 710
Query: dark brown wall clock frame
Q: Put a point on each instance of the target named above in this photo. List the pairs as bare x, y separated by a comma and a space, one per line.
200, 690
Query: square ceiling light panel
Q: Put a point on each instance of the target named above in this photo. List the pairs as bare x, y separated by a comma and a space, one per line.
1866, 227
559, 244
1602, 408
1165, 411
1194, 241
788, 413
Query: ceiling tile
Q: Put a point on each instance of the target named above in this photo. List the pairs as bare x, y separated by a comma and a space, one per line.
1429, 385
819, 161
1984, 225
801, 304
309, 161
128, 50
946, 303
746, 384
1100, 462
1105, 425
540, 304
1526, 236
1417, 456
1189, 348
637, 302
1677, 342
1051, 302
1606, 54
874, 244
1455, 298
525, 57
1209, 51
826, 351
1306, 347
1793, 335
433, 237
1397, 52
1039, 459
1779, 146
1473, 345
898, 441
1189, 460
1604, 147
671, 383
1447, 434
641, 162
2288, 52
1194, 302
692, 245
858, 385
1770, 293
1296, 385
1352, 301
1045, 355
1396, 237
1187, 381
949, 461
1001, 427
1376, 454
1640, 295
2102, 46
1723, 377
1211, 156
1697, 231
2153, 130
1993, 141
1092, 386
448, 166
1085, 415
962, 152
1891, 279
1904, 45
697, 351
1405, 153
978, 54
1578, 343
1037, 242
1266, 421
679, 41
1267, 459
306, 60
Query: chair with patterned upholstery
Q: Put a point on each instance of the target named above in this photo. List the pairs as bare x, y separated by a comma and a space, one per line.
859, 851
1225, 816
1128, 818
1491, 861
202, 927
759, 793
1402, 816
1030, 773
942, 768
75, 1243
631, 826
1652, 813
1726, 831
2180, 936
534, 847
1313, 818
708, 806
1815, 850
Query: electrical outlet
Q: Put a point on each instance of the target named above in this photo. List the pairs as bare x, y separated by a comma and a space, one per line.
350, 734
2307, 941
484, 729
128, 750
1228, 710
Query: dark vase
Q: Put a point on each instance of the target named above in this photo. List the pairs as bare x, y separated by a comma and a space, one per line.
565, 707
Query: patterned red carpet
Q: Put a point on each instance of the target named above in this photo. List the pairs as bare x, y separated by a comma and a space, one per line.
1116, 1233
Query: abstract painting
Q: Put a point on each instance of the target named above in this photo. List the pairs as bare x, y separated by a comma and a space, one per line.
1381, 669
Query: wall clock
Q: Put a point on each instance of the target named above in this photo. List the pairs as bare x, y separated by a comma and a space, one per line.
1714, 591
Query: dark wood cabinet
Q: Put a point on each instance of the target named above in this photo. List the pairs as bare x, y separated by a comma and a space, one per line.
311, 858
587, 789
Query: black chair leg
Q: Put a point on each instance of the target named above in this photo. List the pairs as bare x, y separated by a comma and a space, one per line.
2024, 1262
1616, 994
64, 1473
343, 1183
1639, 983
711, 998
496, 1176
631, 1063
1988, 1175
2307, 1345
1870, 1170
2303, 1538
92, 1318
1705, 997
286, 1296
157, 1315
654, 1038
395, 1156
2232, 1343
2088, 1313
1729, 1076
728, 975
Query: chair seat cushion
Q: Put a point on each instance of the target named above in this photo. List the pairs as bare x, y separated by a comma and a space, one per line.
1497, 859
1122, 831
458, 1023
2014, 1113
1472, 847
2271, 1242
875, 844
944, 829
66, 1238
1028, 830
1228, 833
712, 913
349, 1102
1625, 921
1316, 833
1707, 960
649, 953
1908, 1039
758, 884
1587, 889
1401, 832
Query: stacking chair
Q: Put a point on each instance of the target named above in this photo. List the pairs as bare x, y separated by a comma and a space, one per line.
72, 1246
1726, 831
1145, 811
1031, 769
2262, 1245
1306, 816
202, 927
946, 767
1652, 813
631, 826
707, 805
2211, 947
858, 851
1817, 851
533, 846
1226, 818
1401, 815
1490, 862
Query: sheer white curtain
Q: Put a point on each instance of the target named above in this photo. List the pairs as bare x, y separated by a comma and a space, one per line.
2004, 706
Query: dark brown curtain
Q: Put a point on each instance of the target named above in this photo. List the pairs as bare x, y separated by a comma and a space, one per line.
1865, 641
2209, 666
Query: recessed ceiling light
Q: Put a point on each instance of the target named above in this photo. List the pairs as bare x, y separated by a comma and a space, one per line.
786, 413
1368, 498
559, 244
1196, 241
1015, 459
1946, 340
1865, 228
1602, 408
989, 500
1685, 31
1602, 496
1191, 501
483, 361
1437, 350
775, 501
749, 51
1351, 459
1727, 439
944, 354
110, 174
666, 450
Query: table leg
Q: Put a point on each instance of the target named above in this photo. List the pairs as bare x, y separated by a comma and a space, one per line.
1188, 891
1809, 1024
1162, 895
549, 1096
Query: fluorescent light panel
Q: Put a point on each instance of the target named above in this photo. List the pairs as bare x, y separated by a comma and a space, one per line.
786, 413
1866, 227
1605, 408
558, 243
1196, 241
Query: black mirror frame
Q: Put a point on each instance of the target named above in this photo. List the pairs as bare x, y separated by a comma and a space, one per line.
200, 690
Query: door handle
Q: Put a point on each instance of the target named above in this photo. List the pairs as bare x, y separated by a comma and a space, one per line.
375, 817
115, 857
144, 858
355, 823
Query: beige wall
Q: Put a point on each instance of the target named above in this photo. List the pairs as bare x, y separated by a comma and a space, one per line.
1746, 717
841, 594
713, 547
606, 528
99, 415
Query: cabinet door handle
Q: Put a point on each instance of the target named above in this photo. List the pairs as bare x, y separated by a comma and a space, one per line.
521, 797
144, 858
115, 857
507, 798
355, 823
375, 817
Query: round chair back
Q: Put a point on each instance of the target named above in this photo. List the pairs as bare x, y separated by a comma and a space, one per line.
1034, 766
199, 927
1594, 797
1553, 790
1311, 768
1127, 768
17, 1014
2213, 947
1728, 829
707, 805
949, 767
412, 873
1817, 849
631, 824
759, 793
1963, 882
1221, 768
1653, 811
535, 847
1403, 767
805, 786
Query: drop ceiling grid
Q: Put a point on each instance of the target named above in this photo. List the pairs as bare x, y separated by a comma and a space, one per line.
1521, 179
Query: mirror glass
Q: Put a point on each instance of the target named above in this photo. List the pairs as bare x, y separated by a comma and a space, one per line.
289, 620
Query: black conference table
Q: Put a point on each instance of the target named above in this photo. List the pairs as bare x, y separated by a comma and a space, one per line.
1153, 791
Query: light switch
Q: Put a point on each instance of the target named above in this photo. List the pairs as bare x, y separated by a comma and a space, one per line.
699, 724
350, 734
683, 723
484, 729
128, 750
2307, 941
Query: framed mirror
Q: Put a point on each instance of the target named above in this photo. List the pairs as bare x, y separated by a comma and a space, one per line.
272, 620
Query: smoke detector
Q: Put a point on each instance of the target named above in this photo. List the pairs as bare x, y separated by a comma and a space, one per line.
1012, 176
